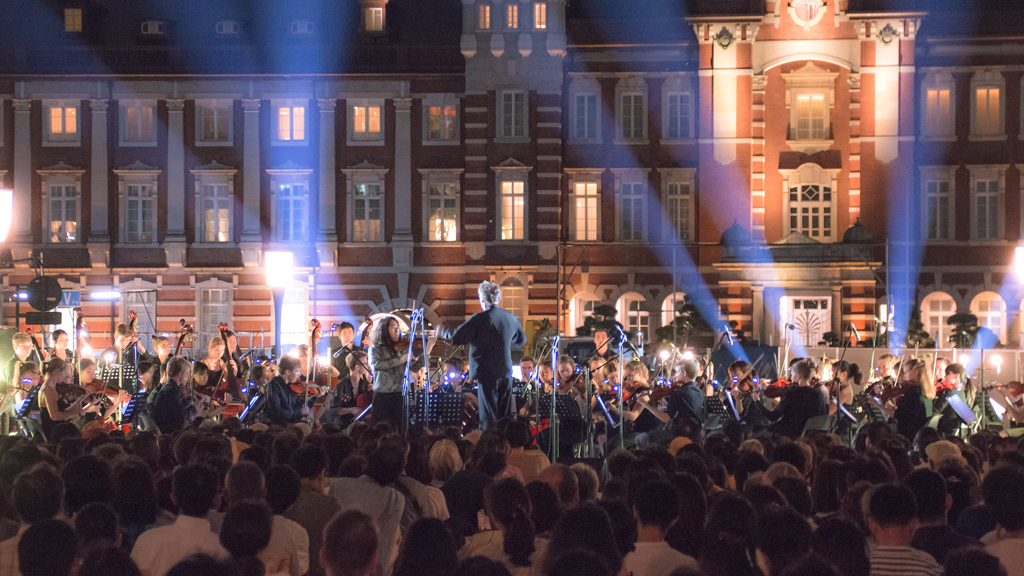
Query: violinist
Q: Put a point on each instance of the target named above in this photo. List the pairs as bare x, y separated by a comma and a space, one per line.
60, 346
642, 417
886, 369
847, 375
241, 361
284, 406
602, 344
214, 361
120, 370
389, 370
24, 351
686, 399
173, 408
162, 346
53, 408
799, 403
23, 389
914, 406
739, 386
526, 368
355, 383
570, 419
347, 335
953, 383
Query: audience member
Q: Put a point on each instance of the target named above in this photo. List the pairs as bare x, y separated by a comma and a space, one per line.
1003, 490
36, 497
783, 537
892, 520
47, 548
656, 507
312, 509
350, 545
933, 534
427, 550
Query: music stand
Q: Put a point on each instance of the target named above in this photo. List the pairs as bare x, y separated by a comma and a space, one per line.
961, 408
131, 407
732, 405
253, 399
439, 408
842, 410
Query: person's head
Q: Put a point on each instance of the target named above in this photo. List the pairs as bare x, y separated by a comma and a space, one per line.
783, 537
600, 340
972, 561
545, 375
55, 369
356, 362
202, 565
346, 332
193, 489
47, 548
656, 504
892, 514
803, 370
385, 332
444, 461
215, 348
179, 369
588, 481
385, 464
489, 294
108, 561
1003, 490
544, 510
310, 463
848, 373
289, 369
564, 483
96, 524
636, 371
244, 532
954, 375
929, 490
37, 493
60, 339
86, 479
841, 542
526, 365
135, 494
123, 334
162, 345
508, 505
578, 562
729, 536
588, 527
26, 375
245, 483
283, 488
518, 434
350, 545
427, 549
566, 368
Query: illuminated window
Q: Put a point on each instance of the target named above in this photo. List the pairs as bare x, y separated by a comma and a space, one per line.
938, 113
153, 27
513, 210
227, 27
367, 216
302, 27
679, 209
585, 119
586, 203
936, 309
987, 112
632, 116
442, 123
991, 312
374, 19
484, 22
540, 15
215, 204
292, 210
512, 17
513, 297
811, 119
72, 19
291, 123
137, 123
581, 306
806, 10
442, 212
513, 114
63, 209
63, 124
632, 208
140, 213
213, 119
214, 308
366, 120
810, 211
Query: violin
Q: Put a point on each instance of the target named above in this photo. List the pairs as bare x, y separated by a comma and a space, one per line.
895, 391
227, 375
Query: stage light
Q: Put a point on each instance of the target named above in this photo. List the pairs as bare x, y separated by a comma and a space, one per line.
964, 359
688, 355
278, 268
86, 350
109, 357
22, 295
105, 295
664, 354
6, 213
293, 353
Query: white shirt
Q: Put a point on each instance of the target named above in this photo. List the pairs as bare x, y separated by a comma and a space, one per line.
1010, 553
657, 559
429, 501
382, 503
288, 550
491, 545
157, 550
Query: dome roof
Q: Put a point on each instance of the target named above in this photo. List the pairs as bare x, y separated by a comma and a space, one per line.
858, 234
735, 234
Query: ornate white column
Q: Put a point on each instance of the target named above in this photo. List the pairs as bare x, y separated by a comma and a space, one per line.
328, 177
403, 170
22, 227
251, 182
175, 171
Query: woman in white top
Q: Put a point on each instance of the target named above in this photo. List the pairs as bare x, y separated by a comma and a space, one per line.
512, 541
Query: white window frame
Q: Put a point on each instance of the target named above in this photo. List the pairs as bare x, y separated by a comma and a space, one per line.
810, 81
812, 174
441, 177
512, 16
206, 326
927, 315
64, 176
632, 177
153, 28
678, 86
214, 174
514, 286
366, 138
290, 177
365, 174
373, 19
938, 128
123, 107
988, 173
483, 21
228, 27
137, 174
578, 309
215, 105
277, 106
932, 178
669, 307
62, 140
988, 79
984, 316
626, 316
589, 87
511, 172
142, 297
441, 101
540, 16
680, 179
586, 178
513, 137
301, 27
72, 19
632, 86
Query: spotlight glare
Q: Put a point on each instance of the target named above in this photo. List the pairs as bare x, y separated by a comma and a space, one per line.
664, 354
106, 295
688, 355
964, 359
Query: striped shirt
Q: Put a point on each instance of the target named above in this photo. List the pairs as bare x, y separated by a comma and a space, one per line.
903, 561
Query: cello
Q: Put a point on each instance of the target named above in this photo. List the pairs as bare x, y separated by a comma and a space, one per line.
227, 377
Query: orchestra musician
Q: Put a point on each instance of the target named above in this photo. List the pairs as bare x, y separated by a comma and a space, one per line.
354, 384
490, 334
24, 351
347, 335
389, 371
914, 406
26, 379
53, 408
284, 406
953, 383
214, 362
570, 419
642, 417
602, 344
241, 360
686, 399
173, 407
162, 347
60, 346
886, 367
120, 371
799, 404
847, 375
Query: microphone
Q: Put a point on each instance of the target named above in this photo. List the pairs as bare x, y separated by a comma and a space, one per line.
790, 326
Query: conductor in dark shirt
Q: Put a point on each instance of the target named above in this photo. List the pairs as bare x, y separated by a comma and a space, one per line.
172, 407
283, 405
491, 335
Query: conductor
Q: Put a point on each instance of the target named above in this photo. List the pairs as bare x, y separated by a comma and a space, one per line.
490, 335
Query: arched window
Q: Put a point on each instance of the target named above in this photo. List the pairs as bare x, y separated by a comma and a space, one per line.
633, 313
936, 308
670, 307
581, 306
991, 312
513, 297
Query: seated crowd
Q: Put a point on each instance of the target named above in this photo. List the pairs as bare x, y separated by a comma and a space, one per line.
227, 500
